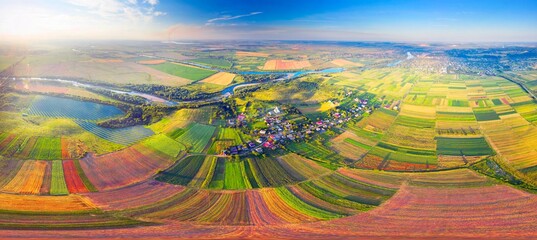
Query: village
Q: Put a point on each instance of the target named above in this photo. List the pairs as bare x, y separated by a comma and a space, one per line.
280, 130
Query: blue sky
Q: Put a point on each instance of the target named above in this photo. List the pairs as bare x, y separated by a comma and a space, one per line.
357, 20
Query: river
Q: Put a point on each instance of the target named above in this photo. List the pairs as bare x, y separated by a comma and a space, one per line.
228, 91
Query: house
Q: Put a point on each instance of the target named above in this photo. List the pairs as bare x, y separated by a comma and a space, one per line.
267, 145
276, 110
262, 132
233, 150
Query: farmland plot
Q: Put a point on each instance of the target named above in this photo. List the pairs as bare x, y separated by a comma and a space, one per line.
57, 107
47, 148
124, 136
183, 172
74, 182
137, 195
118, 169
29, 178
220, 78
183, 71
463, 146
197, 137
165, 145
58, 185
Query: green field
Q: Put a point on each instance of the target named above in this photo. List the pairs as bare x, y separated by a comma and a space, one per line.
303, 207
415, 122
165, 145
217, 181
124, 136
485, 114
47, 148
216, 62
230, 134
404, 155
58, 186
197, 137
463, 146
183, 172
357, 144
235, 176
317, 152
191, 73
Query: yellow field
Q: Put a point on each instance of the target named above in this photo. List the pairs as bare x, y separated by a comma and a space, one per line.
181, 119
418, 111
29, 178
12, 202
251, 54
221, 78
342, 62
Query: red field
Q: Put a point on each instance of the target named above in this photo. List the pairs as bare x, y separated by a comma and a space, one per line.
260, 213
453, 204
137, 195
72, 179
65, 148
122, 168
280, 64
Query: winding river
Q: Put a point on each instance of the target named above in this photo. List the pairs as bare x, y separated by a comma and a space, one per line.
228, 91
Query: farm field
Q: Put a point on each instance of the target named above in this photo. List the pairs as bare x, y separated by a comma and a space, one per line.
123, 136
463, 146
104, 71
165, 145
44, 87
183, 71
216, 62
220, 78
279, 64
196, 137
123, 168
56, 107
224, 173
322, 140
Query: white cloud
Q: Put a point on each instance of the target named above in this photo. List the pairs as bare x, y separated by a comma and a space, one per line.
226, 18
35, 20
152, 2
120, 10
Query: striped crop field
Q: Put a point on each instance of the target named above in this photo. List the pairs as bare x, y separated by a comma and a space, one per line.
57, 107
463, 146
196, 137
58, 185
29, 178
123, 168
184, 71
223, 173
124, 136
47, 148
165, 145
73, 180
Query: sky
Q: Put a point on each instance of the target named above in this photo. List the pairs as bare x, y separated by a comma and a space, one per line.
334, 20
